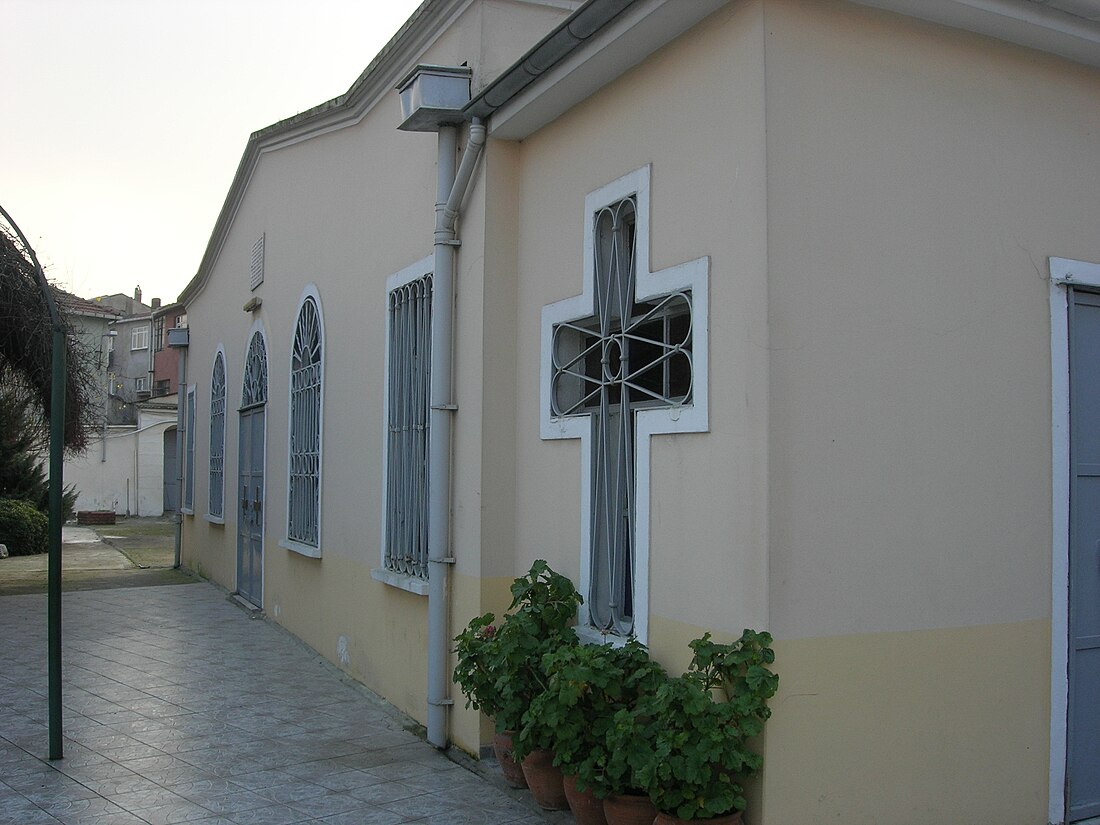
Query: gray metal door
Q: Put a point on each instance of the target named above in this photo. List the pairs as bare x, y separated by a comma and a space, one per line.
250, 506
171, 487
250, 474
1083, 756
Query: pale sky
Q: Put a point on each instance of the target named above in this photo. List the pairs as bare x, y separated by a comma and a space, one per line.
124, 120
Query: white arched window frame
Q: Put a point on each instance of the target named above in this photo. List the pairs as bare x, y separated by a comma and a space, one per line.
304, 432
215, 510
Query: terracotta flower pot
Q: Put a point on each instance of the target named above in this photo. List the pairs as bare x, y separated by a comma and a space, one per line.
725, 819
512, 770
629, 809
545, 781
587, 808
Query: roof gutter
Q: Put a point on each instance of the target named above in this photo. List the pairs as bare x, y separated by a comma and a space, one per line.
546, 54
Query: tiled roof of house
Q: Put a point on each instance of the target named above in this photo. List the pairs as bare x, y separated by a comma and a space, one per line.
75, 305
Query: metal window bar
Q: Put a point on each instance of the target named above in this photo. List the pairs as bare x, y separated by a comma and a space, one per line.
304, 505
254, 389
217, 437
410, 344
189, 465
626, 357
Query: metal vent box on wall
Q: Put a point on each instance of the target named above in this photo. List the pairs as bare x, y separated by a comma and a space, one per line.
433, 95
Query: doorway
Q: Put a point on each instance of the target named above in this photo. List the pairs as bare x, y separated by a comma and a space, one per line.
171, 484
1083, 716
251, 445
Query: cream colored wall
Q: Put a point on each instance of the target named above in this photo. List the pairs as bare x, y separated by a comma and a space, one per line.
708, 531
918, 178
937, 726
344, 211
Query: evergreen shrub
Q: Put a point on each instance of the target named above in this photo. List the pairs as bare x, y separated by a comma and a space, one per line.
23, 528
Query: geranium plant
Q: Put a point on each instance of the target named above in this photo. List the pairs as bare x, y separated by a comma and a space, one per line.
476, 651
700, 746
585, 686
500, 663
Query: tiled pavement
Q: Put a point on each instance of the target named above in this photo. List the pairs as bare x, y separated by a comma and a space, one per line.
179, 707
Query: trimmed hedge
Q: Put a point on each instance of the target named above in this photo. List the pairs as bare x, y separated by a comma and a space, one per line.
23, 528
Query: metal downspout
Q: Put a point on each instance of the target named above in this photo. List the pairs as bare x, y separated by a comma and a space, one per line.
449, 192
181, 435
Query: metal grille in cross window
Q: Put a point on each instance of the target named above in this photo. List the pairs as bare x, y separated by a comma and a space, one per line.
627, 356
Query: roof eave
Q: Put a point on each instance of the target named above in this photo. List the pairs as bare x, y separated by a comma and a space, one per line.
419, 31
1036, 25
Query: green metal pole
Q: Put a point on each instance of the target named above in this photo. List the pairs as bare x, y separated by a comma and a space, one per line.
57, 449
57, 465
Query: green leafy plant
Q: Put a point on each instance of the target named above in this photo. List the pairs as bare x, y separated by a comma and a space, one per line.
22, 474
476, 649
585, 686
23, 528
499, 666
701, 747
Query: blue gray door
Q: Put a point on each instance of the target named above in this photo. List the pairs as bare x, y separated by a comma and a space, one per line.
1083, 757
250, 474
171, 486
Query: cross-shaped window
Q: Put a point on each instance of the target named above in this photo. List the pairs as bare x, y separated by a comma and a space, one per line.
622, 361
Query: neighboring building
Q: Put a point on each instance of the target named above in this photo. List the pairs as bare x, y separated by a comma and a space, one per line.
796, 273
131, 357
127, 305
135, 473
130, 464
93, 324
165, 371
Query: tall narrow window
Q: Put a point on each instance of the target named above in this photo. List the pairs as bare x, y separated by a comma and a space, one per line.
624, 360
409, 362
304, 489
217, 438
189, 458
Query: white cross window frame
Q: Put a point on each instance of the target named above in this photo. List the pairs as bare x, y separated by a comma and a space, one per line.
691, 417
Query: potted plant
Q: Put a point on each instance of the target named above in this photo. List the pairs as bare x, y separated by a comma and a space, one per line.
701, 746
585, 686
500, 665
477, 652
630, 744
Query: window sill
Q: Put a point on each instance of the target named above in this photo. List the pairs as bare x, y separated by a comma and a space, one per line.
214, 519
187, 511
409, 584
588, 635
301, 549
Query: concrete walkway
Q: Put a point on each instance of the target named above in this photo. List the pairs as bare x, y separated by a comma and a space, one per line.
181, 707
81, 549
89, 563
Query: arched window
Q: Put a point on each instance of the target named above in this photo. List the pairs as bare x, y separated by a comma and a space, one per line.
306, 376
216, 506
254, 387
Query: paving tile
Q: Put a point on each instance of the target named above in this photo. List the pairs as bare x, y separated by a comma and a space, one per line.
179, 708
173, 813
148, 798
271, 815
376, 817
84, 811
327, 804
263, 779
